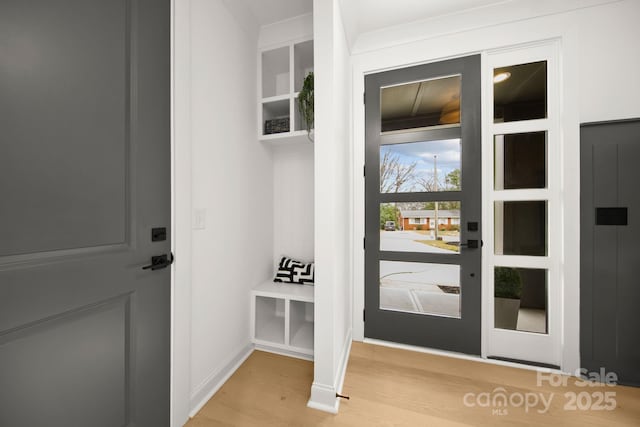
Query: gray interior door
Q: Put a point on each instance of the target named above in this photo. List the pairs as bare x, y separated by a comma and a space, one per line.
84, 178
610, 217
422, 209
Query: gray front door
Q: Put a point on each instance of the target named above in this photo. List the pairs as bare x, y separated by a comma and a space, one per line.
84, 178
422, 189
609, 267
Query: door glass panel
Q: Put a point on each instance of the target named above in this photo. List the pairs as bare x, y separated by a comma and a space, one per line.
426, 166
521, 228
520, 160
410, 227
418, 105
415, 287
520, 92
520, 299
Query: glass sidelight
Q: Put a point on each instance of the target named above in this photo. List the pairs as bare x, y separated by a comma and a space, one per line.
520, 299
523, 286
521, 228
520, 92
520, 161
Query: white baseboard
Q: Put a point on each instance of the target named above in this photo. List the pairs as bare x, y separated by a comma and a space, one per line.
213, 382
323, 397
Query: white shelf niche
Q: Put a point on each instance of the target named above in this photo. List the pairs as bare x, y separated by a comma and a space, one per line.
291, 62
276, 77
269, 319
275, 109
303, 62
301, 325
283, 318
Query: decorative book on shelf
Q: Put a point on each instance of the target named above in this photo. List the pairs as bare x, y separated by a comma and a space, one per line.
277, 125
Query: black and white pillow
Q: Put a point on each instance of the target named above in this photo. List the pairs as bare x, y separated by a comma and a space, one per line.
292, 271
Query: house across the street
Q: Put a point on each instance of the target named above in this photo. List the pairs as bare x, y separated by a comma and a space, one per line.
425, 219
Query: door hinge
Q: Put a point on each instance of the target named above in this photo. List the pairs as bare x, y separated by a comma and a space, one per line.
364, 97
363, 315
364, 243
364, 170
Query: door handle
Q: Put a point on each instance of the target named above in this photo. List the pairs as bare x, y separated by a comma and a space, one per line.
471, 244
159, 262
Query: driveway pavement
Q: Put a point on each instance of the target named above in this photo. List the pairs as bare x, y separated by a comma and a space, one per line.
413, 286
418, 275
404, 241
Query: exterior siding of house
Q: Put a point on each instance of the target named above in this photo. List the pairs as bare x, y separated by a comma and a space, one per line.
451, 219
427, 226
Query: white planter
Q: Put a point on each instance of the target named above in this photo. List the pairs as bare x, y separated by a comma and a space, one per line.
506, 313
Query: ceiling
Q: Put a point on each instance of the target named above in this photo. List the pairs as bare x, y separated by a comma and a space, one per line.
364, 15
267, 12
372, 15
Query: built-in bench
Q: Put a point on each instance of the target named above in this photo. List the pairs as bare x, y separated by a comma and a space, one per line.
282, 318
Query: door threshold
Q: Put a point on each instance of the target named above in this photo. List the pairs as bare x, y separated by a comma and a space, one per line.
512, 363
525, 362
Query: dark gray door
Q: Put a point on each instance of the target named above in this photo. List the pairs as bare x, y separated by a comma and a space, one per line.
610, 232
422, 189
84, 177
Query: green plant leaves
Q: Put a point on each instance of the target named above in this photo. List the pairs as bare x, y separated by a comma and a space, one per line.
305, 103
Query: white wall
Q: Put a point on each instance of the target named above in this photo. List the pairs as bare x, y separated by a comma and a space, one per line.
466, 20
181, 213
332, 205
609, 61
342, 252
595, 41
293, 202
232, 181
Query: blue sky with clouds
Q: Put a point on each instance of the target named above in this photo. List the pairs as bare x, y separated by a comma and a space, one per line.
448, 152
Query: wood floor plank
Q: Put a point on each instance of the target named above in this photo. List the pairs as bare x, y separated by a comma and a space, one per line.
392, 387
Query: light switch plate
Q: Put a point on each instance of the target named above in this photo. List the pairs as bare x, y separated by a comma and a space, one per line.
199, 219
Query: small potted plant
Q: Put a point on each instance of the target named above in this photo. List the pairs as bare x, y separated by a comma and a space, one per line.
507, 292
305, 103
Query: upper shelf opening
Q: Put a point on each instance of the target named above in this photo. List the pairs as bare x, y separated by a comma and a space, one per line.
303, 57
275, 72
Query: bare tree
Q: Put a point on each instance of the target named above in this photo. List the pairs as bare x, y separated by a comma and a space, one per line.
394, 174
451, 184
426, 183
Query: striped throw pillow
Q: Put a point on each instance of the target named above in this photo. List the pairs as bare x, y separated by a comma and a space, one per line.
293, 271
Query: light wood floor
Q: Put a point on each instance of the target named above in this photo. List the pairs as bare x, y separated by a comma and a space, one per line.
391, 387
